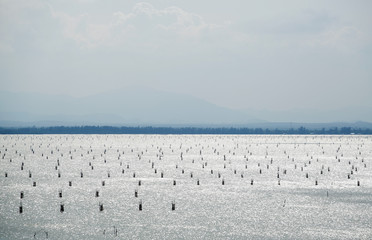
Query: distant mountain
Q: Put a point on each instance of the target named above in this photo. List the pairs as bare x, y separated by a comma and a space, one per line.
343, 114
139, 106
130, 106
310, 126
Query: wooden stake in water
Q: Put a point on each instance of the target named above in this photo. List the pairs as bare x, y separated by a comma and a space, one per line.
173, 205
100, 207
20, 208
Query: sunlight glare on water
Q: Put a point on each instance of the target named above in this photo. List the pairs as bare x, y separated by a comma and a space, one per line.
275, 187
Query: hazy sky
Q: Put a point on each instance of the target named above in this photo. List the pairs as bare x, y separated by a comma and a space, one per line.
237, 53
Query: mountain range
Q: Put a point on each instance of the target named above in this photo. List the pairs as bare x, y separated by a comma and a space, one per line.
140, 106
130, 106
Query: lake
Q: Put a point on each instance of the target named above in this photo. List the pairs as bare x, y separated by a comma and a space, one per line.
187, 186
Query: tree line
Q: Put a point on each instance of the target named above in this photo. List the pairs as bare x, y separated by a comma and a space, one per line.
178, 130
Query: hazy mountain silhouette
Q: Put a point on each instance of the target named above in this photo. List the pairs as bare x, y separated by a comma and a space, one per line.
139, 106
129, 106
343, 114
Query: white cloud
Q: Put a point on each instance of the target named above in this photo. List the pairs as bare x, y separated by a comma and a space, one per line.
142, 24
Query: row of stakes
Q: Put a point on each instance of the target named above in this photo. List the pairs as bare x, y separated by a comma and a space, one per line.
204, 164
181, 159
157, 154
198, 182
59, 174
162, 174
62, 207
103, 184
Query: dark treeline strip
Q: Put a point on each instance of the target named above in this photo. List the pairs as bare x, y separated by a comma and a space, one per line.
177, 130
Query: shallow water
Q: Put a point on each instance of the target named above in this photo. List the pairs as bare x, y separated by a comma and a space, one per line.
335, 208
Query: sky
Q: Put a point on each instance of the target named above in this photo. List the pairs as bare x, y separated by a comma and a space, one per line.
240, 54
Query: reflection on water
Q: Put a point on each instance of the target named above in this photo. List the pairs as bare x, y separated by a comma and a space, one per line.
170, 187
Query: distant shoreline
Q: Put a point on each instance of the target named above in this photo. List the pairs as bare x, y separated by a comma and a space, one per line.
182, 130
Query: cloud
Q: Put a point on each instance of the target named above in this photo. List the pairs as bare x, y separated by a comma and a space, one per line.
241, 50
81, 30
144, 23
